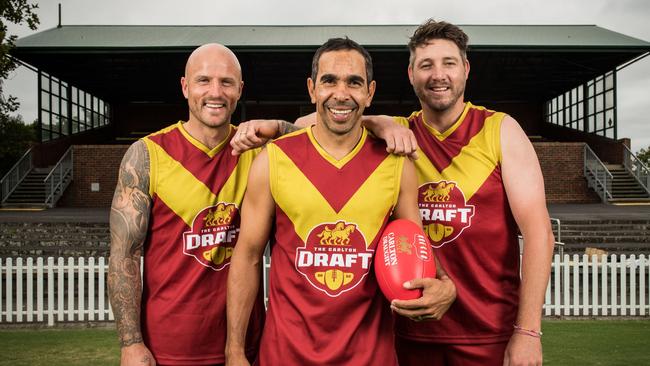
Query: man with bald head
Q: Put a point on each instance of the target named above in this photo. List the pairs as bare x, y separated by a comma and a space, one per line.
177, 204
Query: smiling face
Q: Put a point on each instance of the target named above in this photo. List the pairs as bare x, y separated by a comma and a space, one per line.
212, 85
438, 74
341, 91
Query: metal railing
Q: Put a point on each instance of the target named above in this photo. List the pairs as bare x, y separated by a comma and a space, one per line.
15, 175
58, 179
598, 177
636, 168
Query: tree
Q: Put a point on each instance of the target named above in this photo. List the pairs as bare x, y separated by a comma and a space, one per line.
644, 156
16, 12
15, 138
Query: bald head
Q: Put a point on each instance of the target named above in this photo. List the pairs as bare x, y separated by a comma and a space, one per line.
212, 86
211, 53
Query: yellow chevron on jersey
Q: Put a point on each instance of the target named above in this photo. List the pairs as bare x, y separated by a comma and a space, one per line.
293, 192
475, 161
184, 193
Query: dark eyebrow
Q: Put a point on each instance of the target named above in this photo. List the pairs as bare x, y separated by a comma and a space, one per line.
328, 77
356, 78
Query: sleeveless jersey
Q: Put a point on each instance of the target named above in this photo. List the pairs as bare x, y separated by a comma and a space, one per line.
466, 215
194, 223
324, 304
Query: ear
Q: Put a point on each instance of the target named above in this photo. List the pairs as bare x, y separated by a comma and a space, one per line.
184, 86
312, 92
466, 69
371, 92
410, 72
241, 89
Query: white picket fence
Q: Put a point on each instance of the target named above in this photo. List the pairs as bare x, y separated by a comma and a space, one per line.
74, 289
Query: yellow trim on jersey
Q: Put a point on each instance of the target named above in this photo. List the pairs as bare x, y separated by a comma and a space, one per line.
344, 160
475, 162
199, 145
282, 169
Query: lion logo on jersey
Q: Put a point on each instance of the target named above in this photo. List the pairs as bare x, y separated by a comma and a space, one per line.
444, 211
335, 257
213, 235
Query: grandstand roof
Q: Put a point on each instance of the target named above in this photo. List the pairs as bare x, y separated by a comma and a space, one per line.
509, 62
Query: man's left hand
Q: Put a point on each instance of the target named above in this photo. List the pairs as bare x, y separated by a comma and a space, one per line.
437, 297
253, 133
523, 350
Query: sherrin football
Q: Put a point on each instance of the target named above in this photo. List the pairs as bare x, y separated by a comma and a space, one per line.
403, 253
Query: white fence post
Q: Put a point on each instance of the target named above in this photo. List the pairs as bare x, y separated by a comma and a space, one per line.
633, 285
19, 290
70, 289
30, 289
642, 282
10, 293
614, 290
60, 266
91, 289
101, 291
39, 289
80, 289
50, 291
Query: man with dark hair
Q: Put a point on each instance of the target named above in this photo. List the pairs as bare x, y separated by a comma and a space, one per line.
479, 181
482, 171
327, 192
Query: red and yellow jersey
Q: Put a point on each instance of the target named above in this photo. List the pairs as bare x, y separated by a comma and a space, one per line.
324, 304
466, 215
194, 224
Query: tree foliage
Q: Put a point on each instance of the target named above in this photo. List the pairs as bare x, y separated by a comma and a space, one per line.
17, 12
644, 155
15, 138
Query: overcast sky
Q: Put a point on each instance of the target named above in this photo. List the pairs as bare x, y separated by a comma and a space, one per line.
630, 17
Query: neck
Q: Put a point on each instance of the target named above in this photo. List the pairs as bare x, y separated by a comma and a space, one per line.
441, 121
337, 146
211, 137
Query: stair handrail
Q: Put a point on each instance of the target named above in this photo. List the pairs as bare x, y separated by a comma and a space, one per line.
636, 168
15, 175
600, 178
558, 237
56, 182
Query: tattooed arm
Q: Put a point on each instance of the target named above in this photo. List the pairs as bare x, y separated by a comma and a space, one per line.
129, 221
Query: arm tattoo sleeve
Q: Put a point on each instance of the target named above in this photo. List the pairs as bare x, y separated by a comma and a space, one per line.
286, 127
129, 221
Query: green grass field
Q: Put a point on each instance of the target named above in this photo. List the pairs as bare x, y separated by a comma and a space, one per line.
570, 343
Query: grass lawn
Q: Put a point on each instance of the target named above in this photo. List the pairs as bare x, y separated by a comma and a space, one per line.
596, 342
59, 347
566, 343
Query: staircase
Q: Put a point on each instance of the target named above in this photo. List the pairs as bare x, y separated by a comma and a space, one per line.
614, 236
31, 191
625, 188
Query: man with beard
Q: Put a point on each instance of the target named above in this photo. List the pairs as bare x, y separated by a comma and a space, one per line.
332, 180
479, 181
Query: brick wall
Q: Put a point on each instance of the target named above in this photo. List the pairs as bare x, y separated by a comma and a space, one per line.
562, 164
93, 164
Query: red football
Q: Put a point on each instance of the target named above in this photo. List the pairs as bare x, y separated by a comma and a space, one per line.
403, 253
